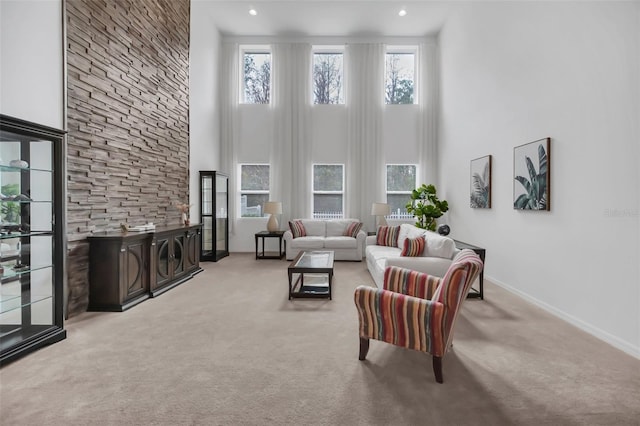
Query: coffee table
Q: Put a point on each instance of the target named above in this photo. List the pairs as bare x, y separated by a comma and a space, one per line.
314, 270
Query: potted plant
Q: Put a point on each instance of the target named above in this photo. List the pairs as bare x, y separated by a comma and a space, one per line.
426, 207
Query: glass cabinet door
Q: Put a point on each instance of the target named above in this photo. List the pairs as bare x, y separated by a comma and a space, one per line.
214, 208
31, 254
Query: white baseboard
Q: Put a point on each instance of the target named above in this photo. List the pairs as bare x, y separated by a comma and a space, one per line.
594, 331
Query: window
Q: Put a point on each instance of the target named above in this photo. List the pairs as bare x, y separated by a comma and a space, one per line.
399, 78
327, 75
328, 184
256, 76
401, 181
254, 189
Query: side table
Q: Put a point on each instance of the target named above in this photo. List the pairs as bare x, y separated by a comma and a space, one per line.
268, 234
473, 293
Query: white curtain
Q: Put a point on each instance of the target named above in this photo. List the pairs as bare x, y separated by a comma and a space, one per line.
365, 159
229, 117
291, 154
428, 128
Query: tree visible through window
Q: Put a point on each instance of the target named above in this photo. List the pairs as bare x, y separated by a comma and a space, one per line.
399, 78
327, 78
401, 181
328, 184
257, 77
254, 189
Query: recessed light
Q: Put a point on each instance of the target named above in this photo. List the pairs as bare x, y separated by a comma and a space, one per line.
253, 12
402, 12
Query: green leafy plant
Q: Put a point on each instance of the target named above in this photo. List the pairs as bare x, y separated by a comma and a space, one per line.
426, 207
535, 197
10, 210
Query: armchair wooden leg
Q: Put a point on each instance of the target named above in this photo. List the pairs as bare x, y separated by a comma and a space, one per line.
364, 348
437, 368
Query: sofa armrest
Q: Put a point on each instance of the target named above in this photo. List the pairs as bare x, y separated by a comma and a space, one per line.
437, 266
409, 322
288, 236
410, 282
371, 240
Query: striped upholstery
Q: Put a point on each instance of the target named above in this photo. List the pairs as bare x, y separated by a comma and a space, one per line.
413, 247
415, 322
387, 236
353, 229
411, 283
297, 228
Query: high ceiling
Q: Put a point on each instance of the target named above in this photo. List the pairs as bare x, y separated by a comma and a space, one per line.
351, 18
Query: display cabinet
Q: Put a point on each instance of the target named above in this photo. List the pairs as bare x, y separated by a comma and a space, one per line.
31, 237
214, 208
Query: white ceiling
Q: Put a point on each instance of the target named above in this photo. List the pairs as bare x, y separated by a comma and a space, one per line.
352, 18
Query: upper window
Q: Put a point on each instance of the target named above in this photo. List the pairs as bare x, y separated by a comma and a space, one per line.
401, 181
400, 71
256, 76
254, 189
328, 76
328, 194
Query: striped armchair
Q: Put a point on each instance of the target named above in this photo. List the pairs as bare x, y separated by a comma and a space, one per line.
415, 310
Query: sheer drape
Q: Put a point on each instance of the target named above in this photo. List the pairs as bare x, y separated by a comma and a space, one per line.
291, 154
365, 160
428, 129
229, 100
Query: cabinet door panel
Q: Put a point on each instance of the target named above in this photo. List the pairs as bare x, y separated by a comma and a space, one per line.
134, 265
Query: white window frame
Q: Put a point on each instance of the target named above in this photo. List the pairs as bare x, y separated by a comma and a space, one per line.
254, 49
416, 70
405, 215
329, 49
314, 192
242, 192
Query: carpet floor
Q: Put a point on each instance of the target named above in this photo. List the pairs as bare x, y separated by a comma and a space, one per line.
228, 348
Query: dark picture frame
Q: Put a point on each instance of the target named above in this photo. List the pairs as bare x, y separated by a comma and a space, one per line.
480, 190
532, 175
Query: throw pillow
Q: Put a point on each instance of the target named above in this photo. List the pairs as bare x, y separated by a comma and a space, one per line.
388, 236
413, 247
297, 228
353, 229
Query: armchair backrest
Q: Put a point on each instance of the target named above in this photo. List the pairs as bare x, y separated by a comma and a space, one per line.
455, 285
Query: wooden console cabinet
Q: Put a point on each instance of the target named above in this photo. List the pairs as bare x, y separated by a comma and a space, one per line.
126, 268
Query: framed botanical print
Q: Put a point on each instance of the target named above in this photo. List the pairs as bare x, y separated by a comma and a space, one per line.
531, 174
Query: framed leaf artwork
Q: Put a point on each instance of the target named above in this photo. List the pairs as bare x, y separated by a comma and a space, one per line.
531, 174
480, 195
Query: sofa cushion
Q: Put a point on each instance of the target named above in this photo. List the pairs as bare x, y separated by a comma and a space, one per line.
297, 228
352, 229
413, 247
438, 245
308, 242
408, 230
315, 227
337, 227
388, 236
340, 242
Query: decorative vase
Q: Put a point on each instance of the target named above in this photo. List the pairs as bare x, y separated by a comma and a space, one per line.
185, 219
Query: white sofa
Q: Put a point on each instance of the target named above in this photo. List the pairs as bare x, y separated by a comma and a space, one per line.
435, 259
327, 234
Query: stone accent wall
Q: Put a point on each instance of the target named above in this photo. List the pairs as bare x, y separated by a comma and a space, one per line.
128, 121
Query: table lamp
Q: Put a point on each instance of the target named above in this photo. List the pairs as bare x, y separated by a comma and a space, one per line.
380, 210
273, 208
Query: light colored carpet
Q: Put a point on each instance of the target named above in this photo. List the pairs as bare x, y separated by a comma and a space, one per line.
228, 348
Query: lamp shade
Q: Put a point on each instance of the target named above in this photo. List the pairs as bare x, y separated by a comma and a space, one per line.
380, 209
273, 207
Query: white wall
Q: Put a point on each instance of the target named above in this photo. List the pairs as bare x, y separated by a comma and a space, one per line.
514, 72
31, 61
